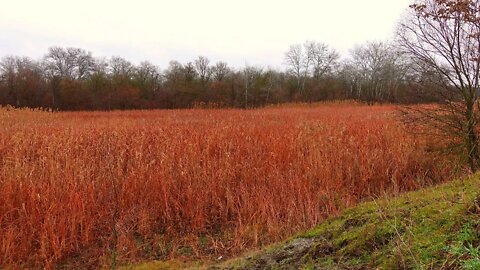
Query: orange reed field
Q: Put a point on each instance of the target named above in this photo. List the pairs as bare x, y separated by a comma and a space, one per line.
77, 188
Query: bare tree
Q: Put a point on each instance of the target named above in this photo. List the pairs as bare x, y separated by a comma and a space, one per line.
250, 74
220, 71
146, 72
294, 59
374, 72
100, 66
189, 72
71, 63
58, 63
203, 69
9, 71
15, 72
173, 73
119, 67
148, 78
273, 83
311, 58
443, 36
84, 62
324, 59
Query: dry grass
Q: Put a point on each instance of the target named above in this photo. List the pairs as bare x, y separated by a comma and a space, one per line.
150, 184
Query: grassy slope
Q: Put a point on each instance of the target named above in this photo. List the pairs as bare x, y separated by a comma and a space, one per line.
435, 228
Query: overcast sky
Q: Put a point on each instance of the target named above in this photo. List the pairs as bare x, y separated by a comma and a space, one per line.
256, 32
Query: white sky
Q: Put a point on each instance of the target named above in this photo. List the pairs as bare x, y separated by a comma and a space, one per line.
257, 32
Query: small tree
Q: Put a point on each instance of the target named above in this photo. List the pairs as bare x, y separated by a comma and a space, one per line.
442, 37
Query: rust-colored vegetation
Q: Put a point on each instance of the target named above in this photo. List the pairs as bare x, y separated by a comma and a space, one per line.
79, 188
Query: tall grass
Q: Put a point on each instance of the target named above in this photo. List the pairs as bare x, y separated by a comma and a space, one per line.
78, 188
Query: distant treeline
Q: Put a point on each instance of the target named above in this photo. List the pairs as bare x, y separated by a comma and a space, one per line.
72, 79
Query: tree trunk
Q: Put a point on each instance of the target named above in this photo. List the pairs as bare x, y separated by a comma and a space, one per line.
472, 138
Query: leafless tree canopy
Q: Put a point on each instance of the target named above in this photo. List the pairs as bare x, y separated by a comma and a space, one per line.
375, 72
203, 69
72, 79
443, 39
312, 58
72, 63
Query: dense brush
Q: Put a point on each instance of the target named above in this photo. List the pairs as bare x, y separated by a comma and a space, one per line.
79, 187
